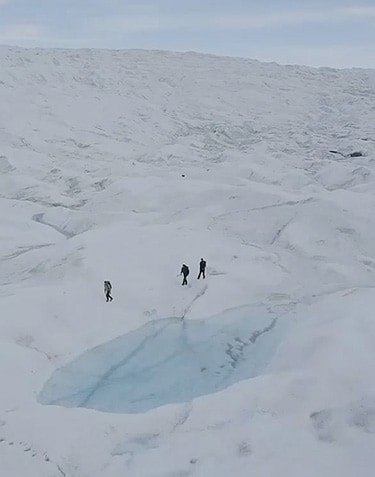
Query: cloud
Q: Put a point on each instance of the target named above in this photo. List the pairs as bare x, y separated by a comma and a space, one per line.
365, 12
138, 23
280, 19
125, 24
143, 23
21, 32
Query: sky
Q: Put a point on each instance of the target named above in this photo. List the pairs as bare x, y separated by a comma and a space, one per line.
336, 33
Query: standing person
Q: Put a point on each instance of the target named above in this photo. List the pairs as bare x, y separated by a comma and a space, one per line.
202, 268
107, 290
185, 272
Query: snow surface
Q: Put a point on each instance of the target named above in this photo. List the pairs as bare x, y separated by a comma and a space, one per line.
123, 166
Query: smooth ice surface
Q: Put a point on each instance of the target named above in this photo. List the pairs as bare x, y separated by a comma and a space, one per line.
167, 361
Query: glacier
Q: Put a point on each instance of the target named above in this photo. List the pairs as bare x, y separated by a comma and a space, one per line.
121, 166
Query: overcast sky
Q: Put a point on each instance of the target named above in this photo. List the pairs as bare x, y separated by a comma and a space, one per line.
336, 33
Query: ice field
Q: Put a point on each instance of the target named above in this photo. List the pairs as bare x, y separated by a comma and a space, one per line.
122, 166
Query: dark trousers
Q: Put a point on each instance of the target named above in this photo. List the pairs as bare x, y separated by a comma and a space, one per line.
184, 281
108, 296
202, 272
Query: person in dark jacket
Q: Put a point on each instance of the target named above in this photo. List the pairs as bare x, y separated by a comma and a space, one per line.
185, 272
107, 290
202, 269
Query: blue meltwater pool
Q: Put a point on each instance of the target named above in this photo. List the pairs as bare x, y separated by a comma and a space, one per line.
168, 361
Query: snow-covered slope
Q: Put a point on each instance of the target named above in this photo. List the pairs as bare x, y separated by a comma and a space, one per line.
123, 166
